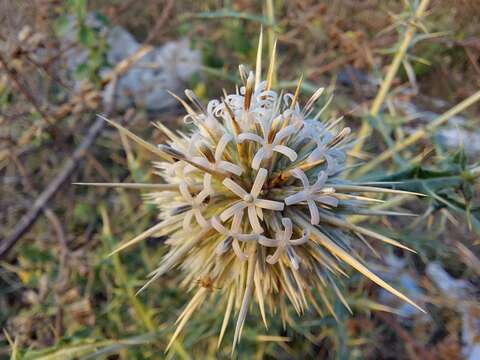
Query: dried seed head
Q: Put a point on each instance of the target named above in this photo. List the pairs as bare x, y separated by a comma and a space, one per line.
257, 203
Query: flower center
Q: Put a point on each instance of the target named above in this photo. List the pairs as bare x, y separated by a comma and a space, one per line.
248, 198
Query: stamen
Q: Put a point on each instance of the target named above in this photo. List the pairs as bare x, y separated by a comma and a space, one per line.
283, 242
250, 201
310, 194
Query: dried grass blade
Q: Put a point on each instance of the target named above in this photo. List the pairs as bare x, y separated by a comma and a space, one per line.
252, 260
152, 148
132, 185
154, 229
226, 318
186, 314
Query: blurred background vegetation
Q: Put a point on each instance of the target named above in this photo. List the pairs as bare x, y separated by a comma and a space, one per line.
62, 297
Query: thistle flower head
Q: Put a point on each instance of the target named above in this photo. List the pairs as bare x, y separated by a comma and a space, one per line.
254, 201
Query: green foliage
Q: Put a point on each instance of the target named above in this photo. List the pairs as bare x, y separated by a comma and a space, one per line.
90, 37
6, 95
450, 185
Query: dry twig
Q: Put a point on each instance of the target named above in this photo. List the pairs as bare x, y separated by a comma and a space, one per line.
72, 164
32, 215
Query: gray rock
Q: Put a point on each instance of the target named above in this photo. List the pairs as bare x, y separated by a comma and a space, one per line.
145, 85
451, 287
460, 293
453, 135
164, 69
456, 137
396, 273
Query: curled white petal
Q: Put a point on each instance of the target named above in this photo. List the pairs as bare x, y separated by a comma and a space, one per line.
310, 194
199, 160
273, 259
247, 237
200, 219
235, 188
259, 211
285, 150
237, 221
321, 179
259, 181
229, 167
287, 223
331, 164
299, 174
221, 146
217, 225
296, 198
250, 136
303, 240
193, 144
251, 201
328, 200
262, 153
232, 210
283, 242
206, 191
314, 215
284, 133
254, 222
270, 204
263, 240
236, 248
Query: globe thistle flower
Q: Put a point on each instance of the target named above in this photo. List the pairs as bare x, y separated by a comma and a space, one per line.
254, 204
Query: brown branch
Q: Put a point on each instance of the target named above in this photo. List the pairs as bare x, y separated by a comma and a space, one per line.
23, 89
51, 216
74, 161
160, 22
31, 216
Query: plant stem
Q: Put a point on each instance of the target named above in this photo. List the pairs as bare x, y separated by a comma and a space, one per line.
418, 135
395, 201
387, 81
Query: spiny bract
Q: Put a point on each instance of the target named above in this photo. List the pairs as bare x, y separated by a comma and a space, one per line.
254, 205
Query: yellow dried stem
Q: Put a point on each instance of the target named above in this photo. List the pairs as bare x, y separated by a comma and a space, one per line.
247, 296
152, 231
418, 135
146, 145
258, 66
226, 318
260, 297
392, 71
271, 67
160, 187
187, 314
